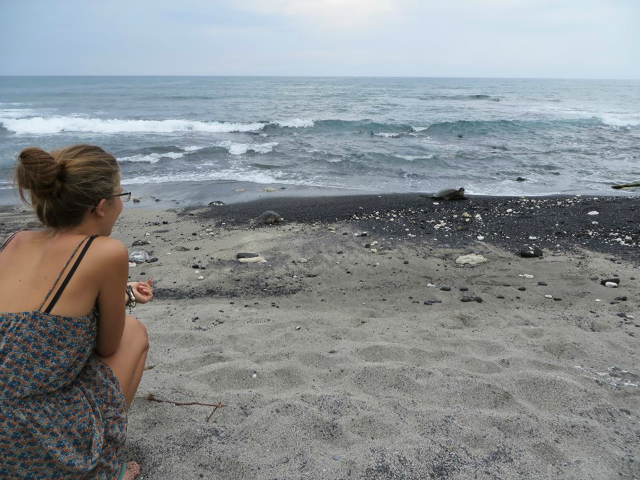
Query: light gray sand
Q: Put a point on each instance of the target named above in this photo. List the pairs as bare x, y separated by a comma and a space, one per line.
329, 370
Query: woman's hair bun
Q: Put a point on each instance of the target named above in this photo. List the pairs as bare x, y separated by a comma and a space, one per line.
39, 172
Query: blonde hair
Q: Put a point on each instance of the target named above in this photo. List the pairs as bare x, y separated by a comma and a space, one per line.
65, 184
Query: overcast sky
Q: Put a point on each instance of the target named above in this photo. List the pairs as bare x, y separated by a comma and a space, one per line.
427, 38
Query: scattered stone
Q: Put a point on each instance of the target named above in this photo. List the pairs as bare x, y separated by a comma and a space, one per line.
622, 299
464, 289
195, 265
136, 200
246, 255
406, 262
139, 243
472, 259
548, 296
445, 288
152, 260
430, 285
268, 218
611, 284
162, 230
468, 298
200, 277
542, 284
138, 256
593, 213
530, 252
522, 289
520, 179
180, 248
216, 203
450, 194
270, 189
610, 280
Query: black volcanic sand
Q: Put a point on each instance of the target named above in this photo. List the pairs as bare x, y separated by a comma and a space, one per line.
556, 222
351, 353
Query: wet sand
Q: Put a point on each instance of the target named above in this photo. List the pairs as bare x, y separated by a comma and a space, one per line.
350, 353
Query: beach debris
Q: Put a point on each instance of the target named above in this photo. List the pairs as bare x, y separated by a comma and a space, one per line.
450, 194
611, 284
270, 189
268, 218
526, 275
593, 212
180, 248
139, 243
542, 284
548, 296
445, 288
200, 277
152, 398
471, 259
257, 259
152, 260
138, 256
626, 185
216, 203
136, 200
530, 252
132, 264
480, 237
430, 285
149, 366
610, 280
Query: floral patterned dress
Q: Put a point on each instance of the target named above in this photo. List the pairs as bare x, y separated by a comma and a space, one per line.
62, 412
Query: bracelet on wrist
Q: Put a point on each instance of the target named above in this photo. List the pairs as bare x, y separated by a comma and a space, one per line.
131, 302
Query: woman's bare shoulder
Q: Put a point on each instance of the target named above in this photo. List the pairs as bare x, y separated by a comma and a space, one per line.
109, 249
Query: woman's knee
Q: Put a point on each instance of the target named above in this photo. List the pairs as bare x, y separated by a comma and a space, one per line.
136, 333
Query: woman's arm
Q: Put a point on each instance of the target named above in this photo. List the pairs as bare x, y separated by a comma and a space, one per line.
114, 270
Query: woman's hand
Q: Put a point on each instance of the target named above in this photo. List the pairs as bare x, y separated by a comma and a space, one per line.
143, 291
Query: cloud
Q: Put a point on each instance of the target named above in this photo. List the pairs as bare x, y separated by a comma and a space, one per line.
327, 14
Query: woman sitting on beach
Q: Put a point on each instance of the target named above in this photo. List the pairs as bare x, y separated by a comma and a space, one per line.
70, 358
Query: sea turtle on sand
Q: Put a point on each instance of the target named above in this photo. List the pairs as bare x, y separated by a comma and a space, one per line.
450, 194
268, 218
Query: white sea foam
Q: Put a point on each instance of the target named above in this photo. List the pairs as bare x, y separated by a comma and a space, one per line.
411, 158
242, 148
152, 157
11, 113
52, 125
387, 135
236, 174
419, 129
295, 123
621, 119
156, 157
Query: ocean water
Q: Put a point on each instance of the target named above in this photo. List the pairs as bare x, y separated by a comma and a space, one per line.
374, 135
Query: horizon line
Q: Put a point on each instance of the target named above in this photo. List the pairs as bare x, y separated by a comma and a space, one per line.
321, 76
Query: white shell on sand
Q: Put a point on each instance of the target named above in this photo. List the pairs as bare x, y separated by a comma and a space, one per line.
472, 259
611, 285
593, 213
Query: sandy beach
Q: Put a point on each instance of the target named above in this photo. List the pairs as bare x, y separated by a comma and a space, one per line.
364, 347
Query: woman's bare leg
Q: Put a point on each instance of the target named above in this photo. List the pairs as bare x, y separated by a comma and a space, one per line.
127, 362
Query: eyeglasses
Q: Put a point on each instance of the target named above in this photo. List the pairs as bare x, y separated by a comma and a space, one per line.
126, 196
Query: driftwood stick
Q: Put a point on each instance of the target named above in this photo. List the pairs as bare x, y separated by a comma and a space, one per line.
151, 397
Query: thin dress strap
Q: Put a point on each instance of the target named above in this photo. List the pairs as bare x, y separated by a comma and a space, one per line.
56, 297
6, 242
